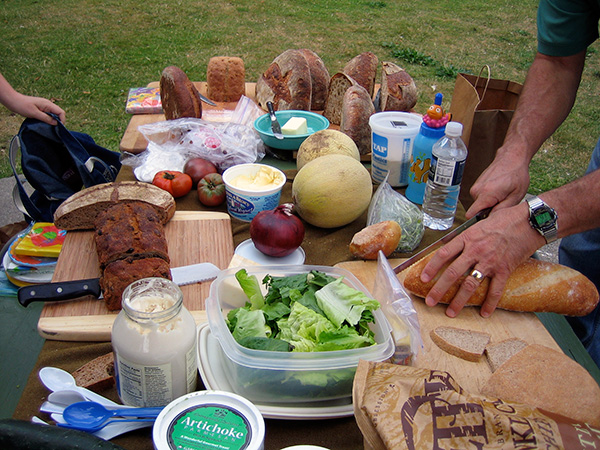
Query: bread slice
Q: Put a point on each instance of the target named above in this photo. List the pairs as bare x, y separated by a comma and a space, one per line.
338, 85
547, 379
178, 95
98, 374
498, 353
534, 286
466, 344
79, 211
319, 77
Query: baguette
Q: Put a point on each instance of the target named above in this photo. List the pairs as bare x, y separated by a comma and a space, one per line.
465, 344
79, 211
534, 286
547, 379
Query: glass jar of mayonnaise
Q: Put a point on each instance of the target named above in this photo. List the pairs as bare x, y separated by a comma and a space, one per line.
154, 344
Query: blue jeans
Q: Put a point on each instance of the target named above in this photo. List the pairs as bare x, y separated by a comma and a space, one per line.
582, 252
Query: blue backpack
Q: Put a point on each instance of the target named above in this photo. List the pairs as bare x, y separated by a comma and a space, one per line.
57, 163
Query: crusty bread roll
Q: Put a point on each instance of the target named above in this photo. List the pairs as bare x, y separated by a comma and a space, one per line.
319, 76
225, 78
338, 85
547, 379
286, 83
534, 286
465, 344
363, 69
398, 89
178, 95
79, 211
383, 236
357, 107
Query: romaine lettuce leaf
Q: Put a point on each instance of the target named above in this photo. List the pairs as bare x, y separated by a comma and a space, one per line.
250, 323
303, 327
342, 303
251, 288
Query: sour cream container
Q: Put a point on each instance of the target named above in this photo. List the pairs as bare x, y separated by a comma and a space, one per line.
154, 344
209, 419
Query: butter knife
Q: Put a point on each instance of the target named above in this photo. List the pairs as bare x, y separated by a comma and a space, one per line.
69, 290
275, 127
445, 239
206, 100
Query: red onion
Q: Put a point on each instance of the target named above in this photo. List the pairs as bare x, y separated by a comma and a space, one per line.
277, 232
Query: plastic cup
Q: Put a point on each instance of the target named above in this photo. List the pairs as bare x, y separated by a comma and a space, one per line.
244, 204
393, 134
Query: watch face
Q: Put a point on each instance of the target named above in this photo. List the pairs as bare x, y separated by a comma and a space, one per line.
543, 218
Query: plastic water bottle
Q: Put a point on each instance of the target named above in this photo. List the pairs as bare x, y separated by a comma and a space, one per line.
443, 185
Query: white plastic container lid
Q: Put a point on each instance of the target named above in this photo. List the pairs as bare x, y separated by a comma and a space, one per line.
209, 419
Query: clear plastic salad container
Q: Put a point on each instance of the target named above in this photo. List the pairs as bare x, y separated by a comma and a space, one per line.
286, 377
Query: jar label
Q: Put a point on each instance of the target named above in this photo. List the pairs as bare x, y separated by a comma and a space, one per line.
446, 172
144, 385
210, 426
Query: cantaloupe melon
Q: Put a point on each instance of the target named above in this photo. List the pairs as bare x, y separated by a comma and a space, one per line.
326, 142
332, 191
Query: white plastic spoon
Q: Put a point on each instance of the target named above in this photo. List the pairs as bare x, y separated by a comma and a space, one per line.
57, 379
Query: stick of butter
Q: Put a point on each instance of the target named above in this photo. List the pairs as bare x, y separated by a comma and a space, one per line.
296, 125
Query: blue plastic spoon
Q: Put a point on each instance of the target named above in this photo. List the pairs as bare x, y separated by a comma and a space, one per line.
92, 416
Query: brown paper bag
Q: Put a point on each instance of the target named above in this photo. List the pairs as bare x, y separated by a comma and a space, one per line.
485, 107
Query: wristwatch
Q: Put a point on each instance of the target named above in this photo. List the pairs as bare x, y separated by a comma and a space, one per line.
543, 219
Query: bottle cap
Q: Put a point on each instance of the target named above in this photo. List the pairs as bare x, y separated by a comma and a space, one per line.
454, 129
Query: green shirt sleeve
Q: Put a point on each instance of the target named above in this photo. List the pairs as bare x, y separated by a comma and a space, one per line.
566, 27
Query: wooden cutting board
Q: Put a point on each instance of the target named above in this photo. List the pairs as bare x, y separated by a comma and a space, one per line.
192, 236
501, 325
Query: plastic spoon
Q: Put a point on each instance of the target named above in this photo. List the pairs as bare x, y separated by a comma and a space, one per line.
57, 379
91, 416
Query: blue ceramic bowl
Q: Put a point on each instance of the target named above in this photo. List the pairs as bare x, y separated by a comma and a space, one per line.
314, 122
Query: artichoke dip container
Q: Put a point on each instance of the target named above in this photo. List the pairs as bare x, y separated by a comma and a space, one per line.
209, 419
264, 376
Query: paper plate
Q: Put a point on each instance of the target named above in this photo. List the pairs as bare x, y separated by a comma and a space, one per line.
22, 276
214, 377
249, 251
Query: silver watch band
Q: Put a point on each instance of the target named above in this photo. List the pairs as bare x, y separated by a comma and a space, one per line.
550, 234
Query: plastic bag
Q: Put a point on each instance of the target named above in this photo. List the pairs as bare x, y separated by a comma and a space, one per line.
172, 142
398, 307
387, 204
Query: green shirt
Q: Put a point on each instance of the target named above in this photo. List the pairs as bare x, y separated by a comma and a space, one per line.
567, 27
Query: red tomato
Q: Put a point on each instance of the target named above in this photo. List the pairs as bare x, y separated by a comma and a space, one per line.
198, 168
211, 190
176, 183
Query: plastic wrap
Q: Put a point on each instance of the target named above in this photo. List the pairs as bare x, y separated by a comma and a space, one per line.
172, 142
387, 204
398, 307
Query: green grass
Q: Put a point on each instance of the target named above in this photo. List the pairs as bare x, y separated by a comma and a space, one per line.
86, 54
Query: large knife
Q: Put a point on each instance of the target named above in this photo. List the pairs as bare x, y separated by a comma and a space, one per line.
275, 127
445, 239
68, 290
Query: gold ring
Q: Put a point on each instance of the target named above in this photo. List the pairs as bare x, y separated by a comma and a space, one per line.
477, 275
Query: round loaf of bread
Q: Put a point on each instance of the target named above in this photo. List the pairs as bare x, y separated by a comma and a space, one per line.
178, 95
363, 69
319, 77
357, 107
338, 85
286, 83
225, 79
398, 89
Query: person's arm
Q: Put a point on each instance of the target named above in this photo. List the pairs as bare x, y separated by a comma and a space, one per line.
496, 246
28, 106
547, 98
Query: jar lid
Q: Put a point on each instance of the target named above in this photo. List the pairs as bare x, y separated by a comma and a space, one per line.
209, 419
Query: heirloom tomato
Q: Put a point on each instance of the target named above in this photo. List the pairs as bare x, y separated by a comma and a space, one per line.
198, 168
211, 190
176, 183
